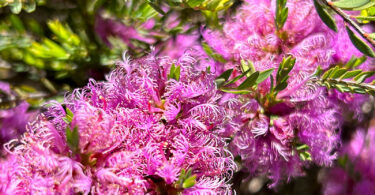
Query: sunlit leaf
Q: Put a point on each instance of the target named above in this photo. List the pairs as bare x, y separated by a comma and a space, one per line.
360, 44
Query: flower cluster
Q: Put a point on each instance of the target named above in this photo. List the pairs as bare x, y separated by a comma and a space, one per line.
300, 124
150, 128
357, 171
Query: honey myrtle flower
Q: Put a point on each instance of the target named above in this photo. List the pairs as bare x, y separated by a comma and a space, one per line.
300, 125
152, 127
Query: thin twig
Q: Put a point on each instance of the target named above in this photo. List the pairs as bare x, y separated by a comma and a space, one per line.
349, 21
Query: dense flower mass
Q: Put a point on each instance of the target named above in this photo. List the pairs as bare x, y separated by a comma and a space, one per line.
301, 124
150, 128
357, 171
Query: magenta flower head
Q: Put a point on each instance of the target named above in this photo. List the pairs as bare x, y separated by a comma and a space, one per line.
151, 128
299, 126
356, 167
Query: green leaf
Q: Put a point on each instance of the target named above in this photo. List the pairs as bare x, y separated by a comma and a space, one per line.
226, 74
235, 91
355, 62
17, 23
339, 72
194, 3
174, 72
318, 72
69, 116
303, 147
328, 73
247, 65
281, 13
369, 18
210, 52
325, 16
366, 6
238, 77
305, 156
177, 73
220, 80
364, 75
249, 82
350, 4
360, 44
264, 75
72, 139
281, 86
350, 74
189, 182
63, 32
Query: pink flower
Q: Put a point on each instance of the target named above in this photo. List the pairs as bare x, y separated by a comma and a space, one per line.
139, 132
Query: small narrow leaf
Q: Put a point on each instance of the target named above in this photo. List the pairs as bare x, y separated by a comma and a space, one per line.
237, 77
363, 76
189, 182
69, 115
174, 72
219, 82
360, 44
355, 62
328, 73
210, 52
325, 16
235, 91
281, 86
350, 74
264, 75
305, 156
177, 73
249, 82
318, 72
303, 147
338, 73
72, 139
247, 65
225, 75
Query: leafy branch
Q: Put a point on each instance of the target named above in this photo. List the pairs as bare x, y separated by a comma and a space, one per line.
345, 80
254, 78
281, 14
323, 7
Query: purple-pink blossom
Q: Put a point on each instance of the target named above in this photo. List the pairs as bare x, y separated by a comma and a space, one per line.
139, 131
277, 139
